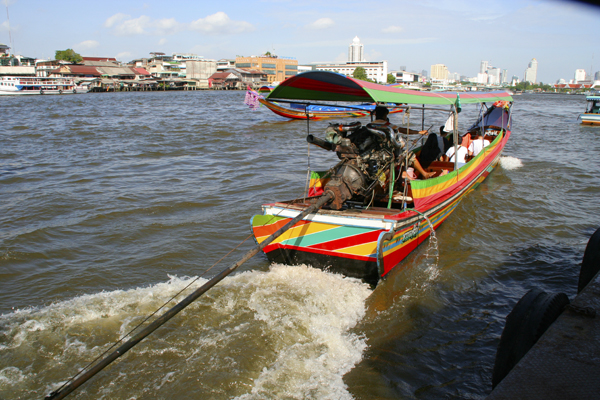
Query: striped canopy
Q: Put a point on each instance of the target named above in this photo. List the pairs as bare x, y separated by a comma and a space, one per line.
330, 86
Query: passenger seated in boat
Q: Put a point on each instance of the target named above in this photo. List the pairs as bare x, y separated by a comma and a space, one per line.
431, 150
462, 152
443, 142
477, 144
381, 113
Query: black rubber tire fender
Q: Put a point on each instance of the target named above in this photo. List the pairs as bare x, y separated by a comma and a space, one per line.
526, 323
591, 261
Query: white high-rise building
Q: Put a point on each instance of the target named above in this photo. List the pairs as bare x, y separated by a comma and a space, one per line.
531, 72
579, 75
483, 67
355, 51
482, 78
376, 71
494, 76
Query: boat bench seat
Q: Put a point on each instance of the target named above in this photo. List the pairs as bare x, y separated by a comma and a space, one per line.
439, 166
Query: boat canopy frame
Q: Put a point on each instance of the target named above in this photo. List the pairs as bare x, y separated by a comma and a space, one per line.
318, 86
331, 86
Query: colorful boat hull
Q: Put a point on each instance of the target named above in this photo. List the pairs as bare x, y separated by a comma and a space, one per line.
591, 116
369, 244
589, 119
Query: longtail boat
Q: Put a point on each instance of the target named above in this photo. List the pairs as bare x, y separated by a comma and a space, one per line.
591, 116
322, 111
265, 89
379, 214
357, 218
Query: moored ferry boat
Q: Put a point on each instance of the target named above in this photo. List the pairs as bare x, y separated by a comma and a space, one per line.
377, 210
29, 85
591, 116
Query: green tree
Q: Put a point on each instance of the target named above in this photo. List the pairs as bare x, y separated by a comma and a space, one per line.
390, 78
68, 55
360, 73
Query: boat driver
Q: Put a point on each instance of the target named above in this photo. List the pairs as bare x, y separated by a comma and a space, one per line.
381, 117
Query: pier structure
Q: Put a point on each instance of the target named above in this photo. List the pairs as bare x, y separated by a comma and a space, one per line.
565, 362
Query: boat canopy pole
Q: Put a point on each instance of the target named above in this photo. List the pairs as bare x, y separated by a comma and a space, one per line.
65, 390
455, 137
308, 154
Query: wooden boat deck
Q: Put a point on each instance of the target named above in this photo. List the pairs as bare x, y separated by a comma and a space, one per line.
371, 212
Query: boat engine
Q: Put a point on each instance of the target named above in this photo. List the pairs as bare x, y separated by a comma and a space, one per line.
366, 154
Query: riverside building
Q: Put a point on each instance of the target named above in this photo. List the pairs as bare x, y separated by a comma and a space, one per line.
376, 71
439, 72
276, 68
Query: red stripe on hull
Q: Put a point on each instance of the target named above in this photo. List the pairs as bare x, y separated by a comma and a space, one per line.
267, 230
337, 255
354, 240
394, 258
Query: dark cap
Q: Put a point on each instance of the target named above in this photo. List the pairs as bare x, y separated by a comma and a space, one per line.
381, 112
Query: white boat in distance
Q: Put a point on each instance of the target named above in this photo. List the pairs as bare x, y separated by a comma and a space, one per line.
23, 85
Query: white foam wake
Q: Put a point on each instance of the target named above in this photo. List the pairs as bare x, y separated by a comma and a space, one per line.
510, 163
286, 333
316, 347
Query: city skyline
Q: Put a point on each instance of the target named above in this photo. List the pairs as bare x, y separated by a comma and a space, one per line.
458, 35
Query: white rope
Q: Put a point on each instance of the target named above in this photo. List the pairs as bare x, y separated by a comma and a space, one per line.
307, 173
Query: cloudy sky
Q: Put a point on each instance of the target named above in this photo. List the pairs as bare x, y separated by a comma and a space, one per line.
561, 35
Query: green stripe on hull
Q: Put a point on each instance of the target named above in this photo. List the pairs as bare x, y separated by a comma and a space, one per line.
336, 232
262, 220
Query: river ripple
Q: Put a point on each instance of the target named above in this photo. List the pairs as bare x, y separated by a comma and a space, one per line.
112, 202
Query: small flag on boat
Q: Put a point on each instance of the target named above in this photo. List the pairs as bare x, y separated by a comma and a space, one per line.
251, 99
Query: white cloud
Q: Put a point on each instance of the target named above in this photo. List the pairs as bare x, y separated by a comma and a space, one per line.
135, 26
220, 23
86, 45
392, 29
167, 26
162, 41
322, 23
114, 20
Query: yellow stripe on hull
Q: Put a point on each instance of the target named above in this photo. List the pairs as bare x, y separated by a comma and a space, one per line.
365, 249
302, 230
